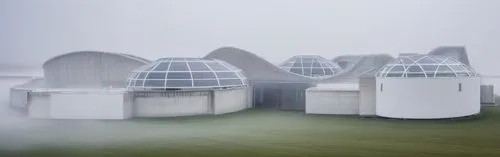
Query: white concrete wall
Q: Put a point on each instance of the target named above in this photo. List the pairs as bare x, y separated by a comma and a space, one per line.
231, 100
87, 105
173, 104
128, 105
431, 98
332, 102
367, 96
487, 94
39, 106
19, 99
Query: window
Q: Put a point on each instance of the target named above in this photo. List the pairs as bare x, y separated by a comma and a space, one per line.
459, 87
179, 75
381, 87
156, 75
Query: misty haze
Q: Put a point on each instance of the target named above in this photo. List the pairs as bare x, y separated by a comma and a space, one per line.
249, 78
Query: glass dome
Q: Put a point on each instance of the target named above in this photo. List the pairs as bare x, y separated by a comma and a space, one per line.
426, 66
175, 73
311, 66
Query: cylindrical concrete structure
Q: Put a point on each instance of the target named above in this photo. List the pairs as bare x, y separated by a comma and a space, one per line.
427, 98
427, 87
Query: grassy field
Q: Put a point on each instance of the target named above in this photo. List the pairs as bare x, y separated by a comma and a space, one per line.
257, 133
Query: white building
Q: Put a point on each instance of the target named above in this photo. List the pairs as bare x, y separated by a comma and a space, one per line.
79, 85
427, 87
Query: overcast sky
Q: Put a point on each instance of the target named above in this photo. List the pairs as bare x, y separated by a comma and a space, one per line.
32, 31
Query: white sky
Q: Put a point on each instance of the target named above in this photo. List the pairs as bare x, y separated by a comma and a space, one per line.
32, 31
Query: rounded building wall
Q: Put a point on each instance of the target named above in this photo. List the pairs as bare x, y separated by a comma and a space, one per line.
427, 98
189, 103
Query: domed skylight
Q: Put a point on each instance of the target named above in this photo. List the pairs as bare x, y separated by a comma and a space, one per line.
311, 66
426, 66
175, 73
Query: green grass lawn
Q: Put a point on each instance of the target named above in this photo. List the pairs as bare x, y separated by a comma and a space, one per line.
257, 133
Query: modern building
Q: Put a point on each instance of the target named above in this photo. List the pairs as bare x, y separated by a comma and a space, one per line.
103, 85
427, 87
187, 86
315, 67
93, 81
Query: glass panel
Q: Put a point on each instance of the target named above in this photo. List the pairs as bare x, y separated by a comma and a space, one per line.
307, 65
445, 75
296, 70
229, 82
394, 74
316, 64
154, 83
156, 75
139, 83
179, 83
178, 66
198, 66
414, 68
444, 68
178, 59
307, 71
162, 66
426, 60
406, 61
179, 75
226, 75
429, 68
142, 75
205, 83
328, 71
317, 72
203, 75
297, 65
415, 75
132, 75
217, 66
439, 59
462, 74
449, 61
457, 68
307, 60
398, 68
386, 68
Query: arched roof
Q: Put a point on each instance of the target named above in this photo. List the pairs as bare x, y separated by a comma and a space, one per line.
168, 73
426, 66
132, 57
311, 66
256, 68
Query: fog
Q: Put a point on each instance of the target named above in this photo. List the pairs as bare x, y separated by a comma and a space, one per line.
32, 31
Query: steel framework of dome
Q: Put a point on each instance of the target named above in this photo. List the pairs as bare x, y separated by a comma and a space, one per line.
426, 66
311, 66
178, 73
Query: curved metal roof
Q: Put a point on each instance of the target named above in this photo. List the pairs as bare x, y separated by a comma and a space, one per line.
256, 68
132, 57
